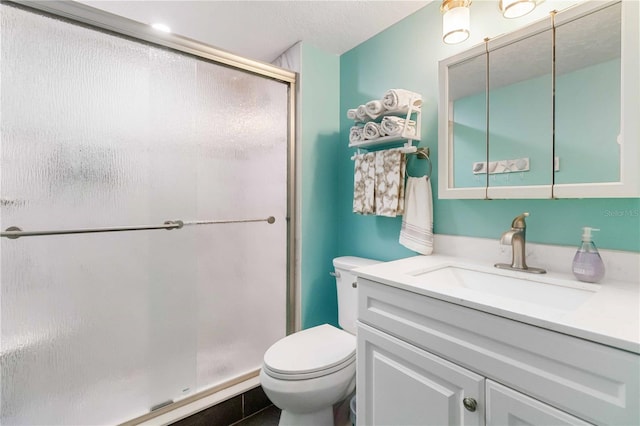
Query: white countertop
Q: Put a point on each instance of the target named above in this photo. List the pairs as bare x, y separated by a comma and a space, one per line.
610, 316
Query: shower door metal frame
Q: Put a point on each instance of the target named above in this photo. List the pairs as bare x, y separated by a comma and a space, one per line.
102, 20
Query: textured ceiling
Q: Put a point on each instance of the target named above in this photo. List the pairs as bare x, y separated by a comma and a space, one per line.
264, 29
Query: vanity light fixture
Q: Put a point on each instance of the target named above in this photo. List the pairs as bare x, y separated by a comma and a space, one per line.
455, 21
456, 16
516, 8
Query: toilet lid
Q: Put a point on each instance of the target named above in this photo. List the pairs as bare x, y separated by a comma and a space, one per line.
310, 351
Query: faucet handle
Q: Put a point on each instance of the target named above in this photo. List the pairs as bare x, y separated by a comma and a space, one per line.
519, 222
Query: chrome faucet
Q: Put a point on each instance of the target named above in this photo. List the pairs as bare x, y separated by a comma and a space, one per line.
516, 238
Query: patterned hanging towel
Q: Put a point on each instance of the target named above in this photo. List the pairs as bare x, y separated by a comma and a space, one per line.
389, 183
417, 224
363, 183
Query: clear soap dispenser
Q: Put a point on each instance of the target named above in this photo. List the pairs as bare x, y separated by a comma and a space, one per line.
587, 263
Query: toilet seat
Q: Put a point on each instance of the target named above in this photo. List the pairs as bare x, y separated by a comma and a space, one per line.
310, 353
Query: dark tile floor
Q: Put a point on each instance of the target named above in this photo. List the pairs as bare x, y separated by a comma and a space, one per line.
267, 417
253, 407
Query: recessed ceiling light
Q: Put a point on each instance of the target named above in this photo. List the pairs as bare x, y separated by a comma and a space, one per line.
161, 27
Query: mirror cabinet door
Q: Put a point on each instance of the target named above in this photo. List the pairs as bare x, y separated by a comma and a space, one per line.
588, 87
521, 116
462, 125
468, 121
545, 128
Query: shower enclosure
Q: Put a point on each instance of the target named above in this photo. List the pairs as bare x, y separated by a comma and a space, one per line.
116, 127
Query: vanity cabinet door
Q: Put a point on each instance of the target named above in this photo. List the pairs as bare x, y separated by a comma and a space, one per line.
508, 407
399, 384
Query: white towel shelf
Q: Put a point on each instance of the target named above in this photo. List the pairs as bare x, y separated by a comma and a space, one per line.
397, 113
410, 149
385, 140
412, 112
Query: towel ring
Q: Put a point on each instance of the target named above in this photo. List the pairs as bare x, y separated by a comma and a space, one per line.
424, 154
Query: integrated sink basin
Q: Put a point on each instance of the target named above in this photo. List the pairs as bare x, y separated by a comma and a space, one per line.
532, 294
606, 313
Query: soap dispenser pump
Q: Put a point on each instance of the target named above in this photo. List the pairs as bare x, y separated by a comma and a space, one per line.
587, 263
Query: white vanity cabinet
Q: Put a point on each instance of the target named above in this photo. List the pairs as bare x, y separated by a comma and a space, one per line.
424, 361
506, 407
404, 385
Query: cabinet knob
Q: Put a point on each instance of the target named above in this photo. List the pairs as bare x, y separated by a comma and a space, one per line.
354, 284
470, 404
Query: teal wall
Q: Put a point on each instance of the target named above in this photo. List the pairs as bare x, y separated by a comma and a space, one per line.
406, 56
319, 140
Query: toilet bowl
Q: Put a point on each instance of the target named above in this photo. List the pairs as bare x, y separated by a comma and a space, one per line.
306, 373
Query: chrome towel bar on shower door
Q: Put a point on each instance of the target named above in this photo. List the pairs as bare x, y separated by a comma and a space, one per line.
14, 232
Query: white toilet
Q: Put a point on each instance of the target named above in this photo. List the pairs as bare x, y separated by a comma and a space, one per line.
306, 373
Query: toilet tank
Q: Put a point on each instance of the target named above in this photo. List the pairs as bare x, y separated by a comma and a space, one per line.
347, 293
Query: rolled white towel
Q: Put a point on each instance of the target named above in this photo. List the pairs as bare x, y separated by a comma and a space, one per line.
374, 109
352, 114
356, 134
399, 99
361, 113
392, 126
371, 130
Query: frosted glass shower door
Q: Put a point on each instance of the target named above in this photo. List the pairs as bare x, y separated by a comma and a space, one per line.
242, 268
97, 131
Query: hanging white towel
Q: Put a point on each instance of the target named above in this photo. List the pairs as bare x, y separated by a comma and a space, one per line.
417, 224
352, 114
363, 183
389, 182
399, 99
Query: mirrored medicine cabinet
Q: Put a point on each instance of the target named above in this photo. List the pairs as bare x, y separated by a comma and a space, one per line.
548, 111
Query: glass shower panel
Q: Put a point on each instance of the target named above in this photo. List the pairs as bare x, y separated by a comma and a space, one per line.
77, 324
96, 131
171, 194
241, 267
